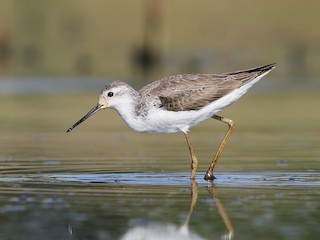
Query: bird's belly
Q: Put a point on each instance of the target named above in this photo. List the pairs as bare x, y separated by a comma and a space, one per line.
158, 126
167, 122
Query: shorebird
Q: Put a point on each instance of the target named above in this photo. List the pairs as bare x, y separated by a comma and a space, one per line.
177, 103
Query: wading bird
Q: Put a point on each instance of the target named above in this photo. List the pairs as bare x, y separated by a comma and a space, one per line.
177, 103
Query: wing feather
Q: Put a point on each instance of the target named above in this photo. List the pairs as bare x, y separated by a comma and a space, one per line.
194, 91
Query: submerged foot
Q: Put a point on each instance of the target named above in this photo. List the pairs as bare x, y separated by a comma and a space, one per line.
209, 176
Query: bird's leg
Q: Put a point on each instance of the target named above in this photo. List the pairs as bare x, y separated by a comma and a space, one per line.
209, 173
194, 162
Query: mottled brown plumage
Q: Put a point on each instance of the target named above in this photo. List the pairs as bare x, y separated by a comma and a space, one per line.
194, 91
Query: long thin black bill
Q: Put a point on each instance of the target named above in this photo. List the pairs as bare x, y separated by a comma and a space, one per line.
89, 114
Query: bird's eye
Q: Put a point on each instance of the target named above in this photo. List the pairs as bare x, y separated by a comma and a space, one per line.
110, 94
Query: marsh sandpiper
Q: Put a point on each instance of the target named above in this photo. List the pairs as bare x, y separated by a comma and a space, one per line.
177, 103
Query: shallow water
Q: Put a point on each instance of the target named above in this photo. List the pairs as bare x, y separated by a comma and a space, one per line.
103, 181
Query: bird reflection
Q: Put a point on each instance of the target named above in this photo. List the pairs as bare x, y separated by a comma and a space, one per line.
222, 213
170, 231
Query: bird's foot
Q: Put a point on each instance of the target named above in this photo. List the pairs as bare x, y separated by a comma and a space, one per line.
209, 176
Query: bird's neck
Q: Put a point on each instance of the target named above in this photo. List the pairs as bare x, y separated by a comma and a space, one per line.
126, 108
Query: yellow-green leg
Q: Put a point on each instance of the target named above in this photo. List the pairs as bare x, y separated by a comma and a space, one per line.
209, 174
194, 161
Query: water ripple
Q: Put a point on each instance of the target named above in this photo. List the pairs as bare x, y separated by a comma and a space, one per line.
243, 179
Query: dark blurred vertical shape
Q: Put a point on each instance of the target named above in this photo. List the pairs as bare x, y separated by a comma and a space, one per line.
5, 50
297, 61
72, 30
31, 18
84, 64
147, 57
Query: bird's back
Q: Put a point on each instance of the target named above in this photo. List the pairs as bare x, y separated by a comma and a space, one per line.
194, 91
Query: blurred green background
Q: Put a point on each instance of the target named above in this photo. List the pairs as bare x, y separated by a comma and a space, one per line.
76, 46
55, 56
140, 40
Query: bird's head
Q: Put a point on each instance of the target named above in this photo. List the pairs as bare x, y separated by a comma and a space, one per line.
111, 96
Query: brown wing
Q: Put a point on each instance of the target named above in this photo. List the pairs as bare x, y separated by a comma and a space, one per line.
194, 91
